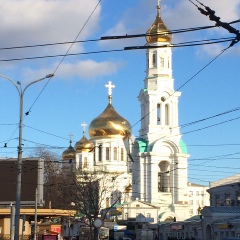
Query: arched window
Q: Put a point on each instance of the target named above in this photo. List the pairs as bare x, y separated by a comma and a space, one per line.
154, 60
107, 153
122, 158
158, 114
100, 153
167, 114
85, 163
115, 153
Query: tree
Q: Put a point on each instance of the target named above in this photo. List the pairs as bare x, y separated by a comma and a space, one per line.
52, 176
90, 192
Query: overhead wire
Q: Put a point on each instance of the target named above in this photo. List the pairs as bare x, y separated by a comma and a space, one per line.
126, 36
63, 57
184, 44
67, 52
228, 40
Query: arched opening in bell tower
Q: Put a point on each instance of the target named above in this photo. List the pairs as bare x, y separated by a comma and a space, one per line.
164, 177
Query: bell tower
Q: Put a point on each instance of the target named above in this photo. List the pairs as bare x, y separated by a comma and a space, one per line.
160, 164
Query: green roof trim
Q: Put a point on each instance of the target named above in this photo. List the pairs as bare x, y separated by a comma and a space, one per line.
142, 144
145, 89
183, 146
117, 205
151, 77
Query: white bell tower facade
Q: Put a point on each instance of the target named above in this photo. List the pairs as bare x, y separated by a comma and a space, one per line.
160, 156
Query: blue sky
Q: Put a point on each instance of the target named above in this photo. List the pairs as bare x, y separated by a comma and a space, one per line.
77, 94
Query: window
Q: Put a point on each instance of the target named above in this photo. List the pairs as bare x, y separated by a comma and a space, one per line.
166, 114
190, 193
115, 153
100, 153
126, 216
191, 202
148, 215
158, 114
107, 153
85, 163
154, 60
228, 199
138, 205
197, 193
122, 154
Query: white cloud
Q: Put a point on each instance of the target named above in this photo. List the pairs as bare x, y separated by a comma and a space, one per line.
84, 70
28, 22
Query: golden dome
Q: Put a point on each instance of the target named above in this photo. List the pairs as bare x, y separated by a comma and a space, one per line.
83, 145
109, 123
69, 154
158, 31
128, 188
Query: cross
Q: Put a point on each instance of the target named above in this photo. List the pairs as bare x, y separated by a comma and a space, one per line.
159, 2
70, 135
84, 126
110, 86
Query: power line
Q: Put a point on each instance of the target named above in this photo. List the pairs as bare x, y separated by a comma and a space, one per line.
127, 36
184, 44
63, 57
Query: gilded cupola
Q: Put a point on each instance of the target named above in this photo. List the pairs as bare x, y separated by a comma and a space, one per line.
84, 145
70, 153
158, 32
109, 123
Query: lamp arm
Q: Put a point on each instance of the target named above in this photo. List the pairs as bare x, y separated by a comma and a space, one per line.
9, 79
47, 76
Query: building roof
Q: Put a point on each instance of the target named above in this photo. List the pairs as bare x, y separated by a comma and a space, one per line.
195, 185
40, 212
224, 181
223, 209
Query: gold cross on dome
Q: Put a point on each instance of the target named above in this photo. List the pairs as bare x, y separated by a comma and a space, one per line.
84, 125
109, 86
70, 136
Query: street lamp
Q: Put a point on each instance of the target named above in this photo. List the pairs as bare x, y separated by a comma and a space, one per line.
19, 161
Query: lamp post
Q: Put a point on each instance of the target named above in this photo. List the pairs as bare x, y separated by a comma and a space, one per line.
21, 92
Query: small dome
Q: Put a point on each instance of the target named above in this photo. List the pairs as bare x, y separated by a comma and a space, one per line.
109, 123
69, 154
128, 188
158, 31
83, 145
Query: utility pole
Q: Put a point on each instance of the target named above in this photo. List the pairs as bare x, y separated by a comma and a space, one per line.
12, 227
35, 215
21, 92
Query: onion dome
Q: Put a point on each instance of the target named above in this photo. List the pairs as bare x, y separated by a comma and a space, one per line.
69, 154
158, 31
109, 123
128, 189
84, 145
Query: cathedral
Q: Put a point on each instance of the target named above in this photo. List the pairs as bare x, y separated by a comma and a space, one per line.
152, 168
